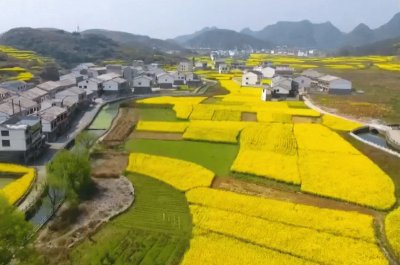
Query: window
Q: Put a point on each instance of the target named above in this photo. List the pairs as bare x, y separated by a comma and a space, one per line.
5, 143
5, 133
140, 83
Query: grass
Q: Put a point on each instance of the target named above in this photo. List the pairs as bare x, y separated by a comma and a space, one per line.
5, 181
214, 156
387, 162
157, 114
378, 101
156, 230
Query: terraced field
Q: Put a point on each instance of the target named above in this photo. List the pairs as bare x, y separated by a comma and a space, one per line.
156, 230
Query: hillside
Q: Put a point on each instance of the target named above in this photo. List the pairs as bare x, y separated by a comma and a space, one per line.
70, 49
184, 38
135, 41
225, 39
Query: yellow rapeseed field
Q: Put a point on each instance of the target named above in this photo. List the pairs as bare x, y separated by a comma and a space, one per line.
339, 124
160, 126
18, 188
329, 221
212, 248
171, 100
392, 229
268, 150
183, 111
349, 177
215, 131
301, 242
180, 174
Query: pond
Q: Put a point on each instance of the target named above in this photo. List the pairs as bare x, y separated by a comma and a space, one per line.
105, 117
373, 138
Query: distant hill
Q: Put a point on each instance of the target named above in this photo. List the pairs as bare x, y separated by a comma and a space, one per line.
224, 39
305, 34
184, 38
70, 49
135, 41
385, 47
300, 34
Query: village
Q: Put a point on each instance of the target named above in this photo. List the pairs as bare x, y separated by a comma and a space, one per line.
32, 115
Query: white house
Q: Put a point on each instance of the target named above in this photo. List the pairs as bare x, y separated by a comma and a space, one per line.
185, 67
267, 72
335, 85
304, 82
252, 78
91, 84
165, 80
21, 138
143, 82
96, 71
115, 85
223, 69
54, 122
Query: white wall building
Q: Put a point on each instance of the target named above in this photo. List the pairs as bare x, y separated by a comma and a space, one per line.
252, 78
334, 85
267, 72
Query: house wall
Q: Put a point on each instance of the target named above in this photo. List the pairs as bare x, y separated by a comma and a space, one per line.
111, 86
142, 82
17, 140
86, 84
250, 80
340, 84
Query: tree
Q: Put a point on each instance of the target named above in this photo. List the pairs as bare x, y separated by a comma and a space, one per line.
50, 72
15, 235
85, 140
69, 171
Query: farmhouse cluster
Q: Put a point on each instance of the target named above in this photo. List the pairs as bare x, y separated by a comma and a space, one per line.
32, 115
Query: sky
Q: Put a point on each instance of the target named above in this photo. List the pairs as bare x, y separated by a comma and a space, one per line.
171, 18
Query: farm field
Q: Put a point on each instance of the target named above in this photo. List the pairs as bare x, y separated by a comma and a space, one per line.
285, 147
13, 190
21, 65
156, 230
214, 156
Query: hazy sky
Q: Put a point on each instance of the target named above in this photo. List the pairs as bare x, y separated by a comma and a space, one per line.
169, 18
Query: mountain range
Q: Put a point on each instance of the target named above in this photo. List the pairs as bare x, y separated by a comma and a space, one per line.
69, 48
302, 34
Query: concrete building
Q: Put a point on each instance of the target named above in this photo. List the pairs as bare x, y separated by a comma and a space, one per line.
77, 77
18, 105
304, 82
252, 78
185, 67
115, 85
36, 94
96, 71
334, 85
78, 94
5, 93
92, 84
223, 69
284, 70
15, 86
267, 72
54, 122
165, 80
21, 139
142, 84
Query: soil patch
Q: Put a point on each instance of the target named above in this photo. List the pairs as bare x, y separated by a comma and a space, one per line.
249, 116
239, 186
122, 126
157, 136
109, 164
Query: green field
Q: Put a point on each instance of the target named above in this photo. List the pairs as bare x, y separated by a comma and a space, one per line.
214, 156
5, 181
155, 230
157, 114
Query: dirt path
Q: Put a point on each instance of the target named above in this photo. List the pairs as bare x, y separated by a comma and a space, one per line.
157, 136
239, 186
249, 116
